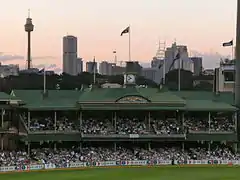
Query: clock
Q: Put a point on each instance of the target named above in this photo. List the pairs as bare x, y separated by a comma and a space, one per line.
130, 78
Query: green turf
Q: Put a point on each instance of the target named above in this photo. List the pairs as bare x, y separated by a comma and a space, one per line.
158, 173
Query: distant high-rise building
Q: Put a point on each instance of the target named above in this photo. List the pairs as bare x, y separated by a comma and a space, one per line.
70, 55
90, 67
133, 67
197, 65
151, 74
106, 68
170, 54
9, 70
118, 70
79, 65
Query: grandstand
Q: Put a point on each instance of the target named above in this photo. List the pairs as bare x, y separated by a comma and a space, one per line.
120, 124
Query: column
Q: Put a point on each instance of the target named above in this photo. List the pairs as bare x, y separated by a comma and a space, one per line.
115, 121
1, 136
28, 144
209, 146
209, 122
2, 118
29, 119
235, 120
183, 146
183, 121
149, 146
55, 121
149, 120
80, 120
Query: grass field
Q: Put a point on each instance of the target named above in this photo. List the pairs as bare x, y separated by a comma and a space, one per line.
155, 173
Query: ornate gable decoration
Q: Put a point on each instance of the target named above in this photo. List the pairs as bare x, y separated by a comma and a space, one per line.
132, 99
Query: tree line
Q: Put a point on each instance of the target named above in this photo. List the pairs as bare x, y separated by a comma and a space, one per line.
68, 82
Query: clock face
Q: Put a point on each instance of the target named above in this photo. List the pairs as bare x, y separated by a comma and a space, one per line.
130, 78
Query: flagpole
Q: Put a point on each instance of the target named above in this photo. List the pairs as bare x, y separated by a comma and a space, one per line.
94, 71
44, 81
164, 66
179, 74
129, 43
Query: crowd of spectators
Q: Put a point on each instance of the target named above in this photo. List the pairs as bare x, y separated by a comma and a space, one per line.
48, 124
131, 126
168, 126
134, 125
216, 124
97, 154
97, 126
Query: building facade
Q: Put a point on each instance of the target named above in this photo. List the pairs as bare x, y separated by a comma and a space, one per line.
9, 70
151, 74
90, 67
197, 65
184, 62
70, 55
79, 65
225, 77
106, 68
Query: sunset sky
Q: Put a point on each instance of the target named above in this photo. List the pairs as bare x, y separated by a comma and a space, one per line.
201, 25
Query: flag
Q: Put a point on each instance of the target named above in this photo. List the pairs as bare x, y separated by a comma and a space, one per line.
161, 64
177, 57
41, 71
125, 31
225, 44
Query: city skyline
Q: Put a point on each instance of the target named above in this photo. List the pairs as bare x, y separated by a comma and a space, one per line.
98, 28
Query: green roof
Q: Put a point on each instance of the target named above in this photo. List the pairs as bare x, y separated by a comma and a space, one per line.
208, 105
55, 99
124, 99
112, 95
4, 96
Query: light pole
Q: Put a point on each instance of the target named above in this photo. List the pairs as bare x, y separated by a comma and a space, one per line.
237, 61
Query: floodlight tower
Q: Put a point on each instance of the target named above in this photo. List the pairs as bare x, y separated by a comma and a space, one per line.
29, 28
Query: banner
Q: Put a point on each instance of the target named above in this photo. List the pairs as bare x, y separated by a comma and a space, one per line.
136, 163
49, 166
7, 168
75, 165
36, 166
117, 163
161, 162
106, 163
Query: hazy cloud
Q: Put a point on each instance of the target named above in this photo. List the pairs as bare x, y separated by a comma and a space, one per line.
44, 57
47, 66
6, 57
9, 57
210, 59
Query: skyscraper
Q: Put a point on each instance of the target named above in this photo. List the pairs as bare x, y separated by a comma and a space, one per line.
79, 65
90, 67
197, 65
29, 27
70, 55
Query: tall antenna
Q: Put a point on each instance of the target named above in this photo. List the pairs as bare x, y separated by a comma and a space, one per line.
28, 13
29, 27
160, 54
